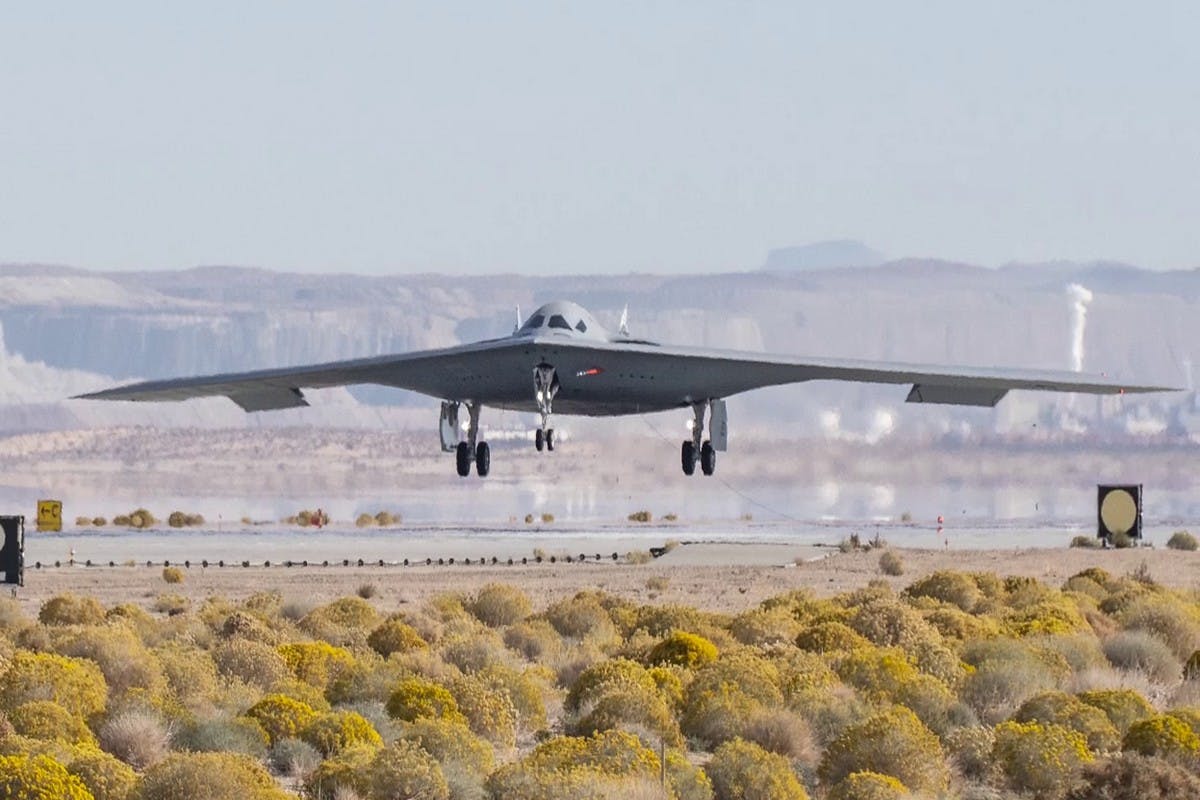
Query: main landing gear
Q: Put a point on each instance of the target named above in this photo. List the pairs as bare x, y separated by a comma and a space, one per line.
699, 449
545, 387
470, 451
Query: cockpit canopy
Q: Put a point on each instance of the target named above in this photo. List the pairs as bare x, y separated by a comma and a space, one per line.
564, 318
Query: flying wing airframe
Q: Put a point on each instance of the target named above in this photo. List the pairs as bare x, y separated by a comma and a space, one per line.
563, 361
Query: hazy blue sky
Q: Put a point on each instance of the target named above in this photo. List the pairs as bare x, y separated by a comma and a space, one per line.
553, 137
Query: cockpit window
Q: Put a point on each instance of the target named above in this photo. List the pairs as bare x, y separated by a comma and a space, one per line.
581, 327
559, 321
535, 321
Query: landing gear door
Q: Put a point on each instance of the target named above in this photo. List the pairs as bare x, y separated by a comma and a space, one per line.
718, 425
448, 427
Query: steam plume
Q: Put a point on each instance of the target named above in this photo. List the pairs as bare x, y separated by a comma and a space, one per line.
1079, 297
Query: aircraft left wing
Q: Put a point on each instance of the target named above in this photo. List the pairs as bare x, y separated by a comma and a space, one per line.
441, 373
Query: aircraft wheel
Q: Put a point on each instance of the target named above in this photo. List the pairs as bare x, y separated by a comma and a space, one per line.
708, 459
539, 439
483, 459
463, 458
689, 458
550, 439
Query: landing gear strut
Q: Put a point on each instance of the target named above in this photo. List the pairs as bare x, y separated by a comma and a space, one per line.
698, 448
545, 387
468, 451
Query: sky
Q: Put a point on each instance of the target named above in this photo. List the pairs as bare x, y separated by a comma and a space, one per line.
556, 137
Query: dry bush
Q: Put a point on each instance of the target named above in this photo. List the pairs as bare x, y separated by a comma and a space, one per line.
1139, 651
1163, 736
641, 516
473, 653
212, 776
1182, 540
255, 663
1007, 673
466, 759
190, 673
890, 563
67, 609
761, 626
247, 625
828, 637
1088, 542
105, 776
535, 639
395, 636
1036, 758
172, 604
1172, 621
639, 557
364, 520
547, 518
581, 617
658, 583
124, 660
891, 742
1129, 776
138, 737
346, 621
294, 758
741, 770
403, 769
970, 750
498, 604
620, 694
83, 522
367, 590
785, 733
220, 735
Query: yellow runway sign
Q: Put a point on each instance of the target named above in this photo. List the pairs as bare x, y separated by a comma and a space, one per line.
49, 516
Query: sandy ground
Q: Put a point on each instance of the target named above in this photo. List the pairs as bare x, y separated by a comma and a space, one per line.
717, 577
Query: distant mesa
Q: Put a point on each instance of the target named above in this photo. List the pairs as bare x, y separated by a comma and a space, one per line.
832, 254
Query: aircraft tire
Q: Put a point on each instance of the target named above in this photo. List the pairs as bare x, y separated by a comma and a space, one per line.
708, 459
462, 457
689, 458
539, 439
483, 459
550, 439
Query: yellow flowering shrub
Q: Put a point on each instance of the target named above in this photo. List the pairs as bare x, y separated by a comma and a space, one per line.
39, 777
954, 588
741, 770
569, 763
1060, 708
830, 636
212, 776
68, 609
453, 744
683, 649
105, 776
75, 684
892, 742
868, 786
402, 769
395, 636
334, 731
315, 663
760, 627
724, 695
282, 717
1123, 707
1162, 735
489, 711
45, 719
256, 663
416, 698
345, 621
1038, 758
581, 617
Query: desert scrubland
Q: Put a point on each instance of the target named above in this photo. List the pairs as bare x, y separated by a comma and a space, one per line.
1049, 673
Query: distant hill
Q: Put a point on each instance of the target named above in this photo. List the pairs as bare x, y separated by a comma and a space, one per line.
832, 254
